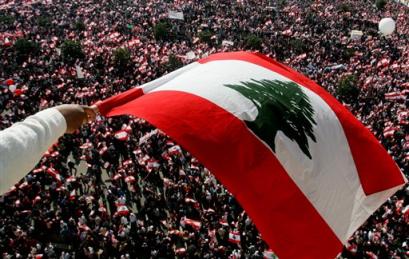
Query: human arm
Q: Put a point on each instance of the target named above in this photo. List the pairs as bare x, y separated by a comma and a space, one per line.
24, 143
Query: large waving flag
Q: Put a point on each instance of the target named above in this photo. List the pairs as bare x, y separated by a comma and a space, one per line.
304, 169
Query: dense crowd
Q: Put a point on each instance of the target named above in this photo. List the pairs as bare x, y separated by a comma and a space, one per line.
119, 188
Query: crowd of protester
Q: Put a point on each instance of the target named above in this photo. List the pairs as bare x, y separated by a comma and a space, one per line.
120, 188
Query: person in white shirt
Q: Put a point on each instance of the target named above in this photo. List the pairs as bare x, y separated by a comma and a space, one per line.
23, 144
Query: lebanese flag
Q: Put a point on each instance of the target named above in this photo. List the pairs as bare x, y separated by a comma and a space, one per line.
175, 150
71, 179
193, 202
190, 200
83, 227
73, 195
86, 145
121, 210
114, 37
383, 63
40, 169
395, 96
224, 222
152, 164
147, 136
389, 131
103, 150
121, 135
132, 43
130, 179
234, 237
180, 251
36, 199
193, 223
127, 162
24, 185
298, 161
54, 174
117, 177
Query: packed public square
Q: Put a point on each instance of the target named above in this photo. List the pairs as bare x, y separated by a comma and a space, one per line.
118, 187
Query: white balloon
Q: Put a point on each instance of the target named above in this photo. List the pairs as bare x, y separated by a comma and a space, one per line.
387, 26
12, 88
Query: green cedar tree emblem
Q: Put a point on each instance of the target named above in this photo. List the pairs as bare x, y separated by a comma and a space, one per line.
281, 106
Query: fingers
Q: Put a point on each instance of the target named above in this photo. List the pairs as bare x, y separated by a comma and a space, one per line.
95, 109
90, 112
90, 116
77, 115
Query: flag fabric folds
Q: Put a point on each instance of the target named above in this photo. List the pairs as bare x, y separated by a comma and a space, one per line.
304, 169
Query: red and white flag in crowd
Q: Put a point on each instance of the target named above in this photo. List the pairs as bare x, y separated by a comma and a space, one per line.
121, 210
40, 169
193, 202
127, 162
383, 63
103, 150
117, 177
71, 179
114, 37
73, 195
190, 200
83, 227
86, 145
36, 199
224, 222
130, 179
193, 223
234, 237
389, 131
147, 136
299, 163
24, 185
121, 135
395, 96
175, 150
180, 251
152, 164
54, 174
132, 43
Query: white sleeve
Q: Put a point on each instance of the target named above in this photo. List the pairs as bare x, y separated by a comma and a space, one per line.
24, 143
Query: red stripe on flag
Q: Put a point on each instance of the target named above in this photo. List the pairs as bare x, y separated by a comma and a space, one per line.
377, 171
229, 150
119, 99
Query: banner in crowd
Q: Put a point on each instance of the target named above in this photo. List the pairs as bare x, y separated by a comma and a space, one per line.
175, 15
356, 34
227, 43
305, 170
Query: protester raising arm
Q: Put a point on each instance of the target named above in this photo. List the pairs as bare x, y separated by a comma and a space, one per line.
23, 144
